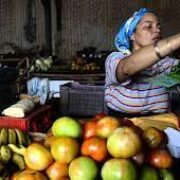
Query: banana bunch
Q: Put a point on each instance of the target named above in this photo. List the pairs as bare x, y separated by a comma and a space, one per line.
13, 136
8, 157
13, 143
10, 162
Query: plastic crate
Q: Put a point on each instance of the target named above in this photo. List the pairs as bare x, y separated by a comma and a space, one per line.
36, 121
81, 100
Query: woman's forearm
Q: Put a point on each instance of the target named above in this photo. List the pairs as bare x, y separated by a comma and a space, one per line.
169, 44
146, 57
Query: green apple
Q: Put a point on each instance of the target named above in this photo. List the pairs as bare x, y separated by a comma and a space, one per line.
66, 126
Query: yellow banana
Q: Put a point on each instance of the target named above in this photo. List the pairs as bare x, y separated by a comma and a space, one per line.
18, 160
21, 137
18, 149
11, 136
4, 136
6, 154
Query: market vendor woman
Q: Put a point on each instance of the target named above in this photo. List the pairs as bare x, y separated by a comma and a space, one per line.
142, 53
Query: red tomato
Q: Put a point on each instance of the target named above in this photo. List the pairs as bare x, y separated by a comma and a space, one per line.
160, 158
57, 170
95, 148
89, 129
106, 126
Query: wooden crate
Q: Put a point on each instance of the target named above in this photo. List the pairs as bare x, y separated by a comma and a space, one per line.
36, 121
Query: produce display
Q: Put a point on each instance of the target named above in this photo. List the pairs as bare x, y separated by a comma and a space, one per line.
103, 147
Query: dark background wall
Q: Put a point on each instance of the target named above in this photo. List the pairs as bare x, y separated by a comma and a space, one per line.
96, 22
78, 23
19, 32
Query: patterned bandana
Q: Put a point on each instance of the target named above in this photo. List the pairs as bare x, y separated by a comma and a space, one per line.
122, 39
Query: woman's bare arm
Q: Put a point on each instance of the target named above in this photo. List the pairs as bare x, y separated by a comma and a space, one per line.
146, 57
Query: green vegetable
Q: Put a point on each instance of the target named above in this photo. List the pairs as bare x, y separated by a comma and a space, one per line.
168, 81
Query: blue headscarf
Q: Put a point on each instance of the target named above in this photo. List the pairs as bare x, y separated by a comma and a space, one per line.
122, 39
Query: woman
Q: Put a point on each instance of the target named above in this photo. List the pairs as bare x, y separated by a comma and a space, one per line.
142, 53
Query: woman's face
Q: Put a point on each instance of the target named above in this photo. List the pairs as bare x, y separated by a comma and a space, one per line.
147, 31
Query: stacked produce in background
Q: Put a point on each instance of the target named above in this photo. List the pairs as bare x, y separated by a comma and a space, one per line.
102, 148
79, 64
89, 60
42, 64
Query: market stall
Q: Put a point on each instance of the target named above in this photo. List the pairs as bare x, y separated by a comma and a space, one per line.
54, 121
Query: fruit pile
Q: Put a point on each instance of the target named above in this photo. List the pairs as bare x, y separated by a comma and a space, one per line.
104, 148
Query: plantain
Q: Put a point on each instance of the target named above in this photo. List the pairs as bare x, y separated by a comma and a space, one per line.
166, 118
4, 136
162, 125
21, 136
160, 121
11, 136
18, 160
18, 149
6, 154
